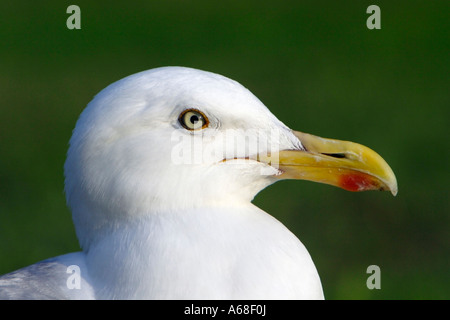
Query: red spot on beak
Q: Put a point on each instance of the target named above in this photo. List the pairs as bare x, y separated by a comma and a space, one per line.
357, 182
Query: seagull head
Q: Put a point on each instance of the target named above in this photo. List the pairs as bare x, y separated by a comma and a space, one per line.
173, 138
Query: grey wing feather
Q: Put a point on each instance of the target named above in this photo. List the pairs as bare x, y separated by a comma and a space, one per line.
38, 281
44, 280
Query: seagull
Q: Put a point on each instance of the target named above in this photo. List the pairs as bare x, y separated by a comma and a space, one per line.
160, 175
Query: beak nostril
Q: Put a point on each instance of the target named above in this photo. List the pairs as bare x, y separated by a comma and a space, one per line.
336, 155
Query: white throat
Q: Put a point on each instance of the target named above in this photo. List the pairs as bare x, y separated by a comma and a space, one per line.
231, 248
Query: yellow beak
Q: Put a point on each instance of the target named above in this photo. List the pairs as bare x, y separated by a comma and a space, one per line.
344, 164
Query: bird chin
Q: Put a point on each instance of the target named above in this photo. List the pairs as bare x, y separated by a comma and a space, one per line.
263, 168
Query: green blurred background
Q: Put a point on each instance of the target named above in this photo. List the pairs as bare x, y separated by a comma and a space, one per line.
315, 65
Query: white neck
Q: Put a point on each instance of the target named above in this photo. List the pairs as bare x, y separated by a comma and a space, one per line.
233, 249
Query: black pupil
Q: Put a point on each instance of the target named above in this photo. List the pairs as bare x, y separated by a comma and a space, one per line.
194, 119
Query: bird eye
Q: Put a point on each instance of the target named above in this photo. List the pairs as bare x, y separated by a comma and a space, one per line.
192, 119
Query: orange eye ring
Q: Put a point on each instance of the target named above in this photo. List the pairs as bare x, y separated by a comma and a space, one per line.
193, 119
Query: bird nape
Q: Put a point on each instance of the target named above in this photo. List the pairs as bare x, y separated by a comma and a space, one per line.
160, 174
